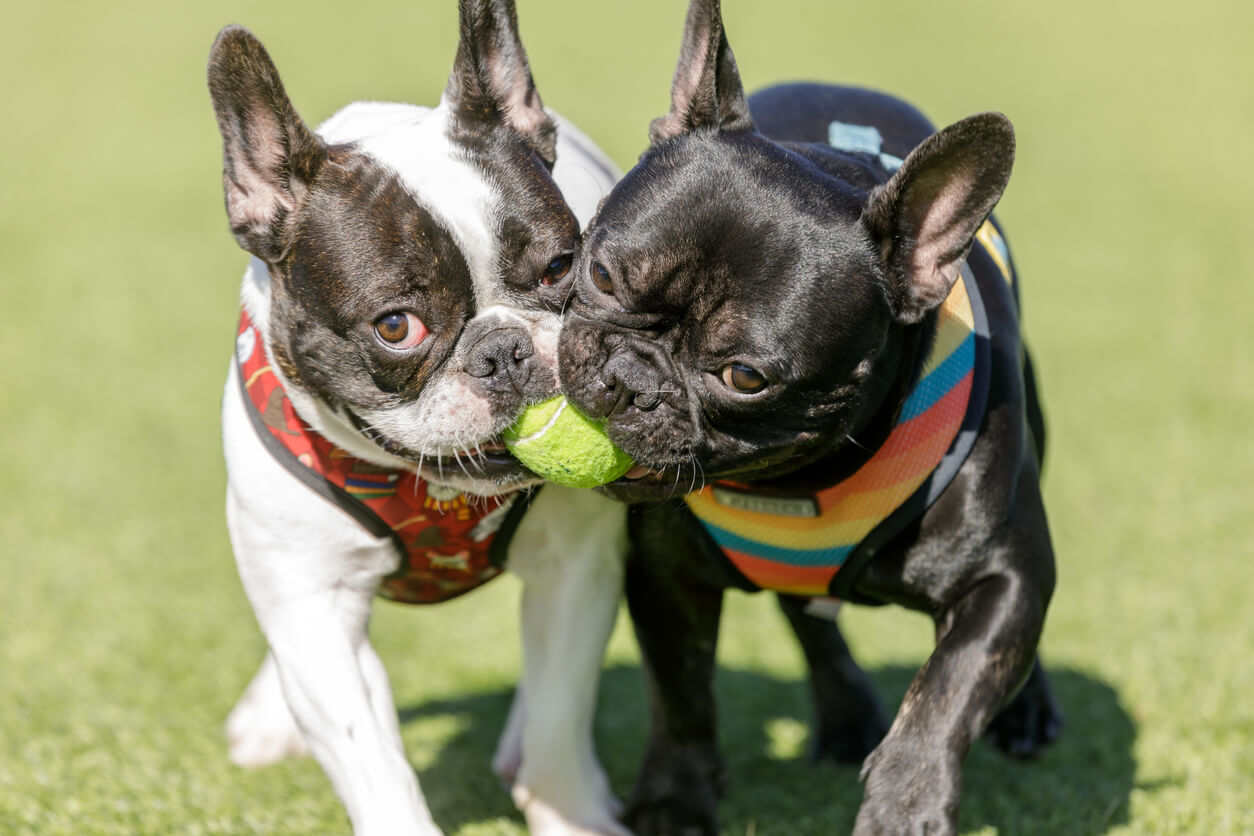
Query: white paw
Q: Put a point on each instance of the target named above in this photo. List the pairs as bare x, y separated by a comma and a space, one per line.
545, 820
260, 729
608, 800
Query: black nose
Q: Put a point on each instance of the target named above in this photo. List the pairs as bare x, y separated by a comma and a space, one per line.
501, 356
629, 381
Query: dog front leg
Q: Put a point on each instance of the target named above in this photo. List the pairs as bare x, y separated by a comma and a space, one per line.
311, 574
985, 648
569, 553
676, 617
338, 694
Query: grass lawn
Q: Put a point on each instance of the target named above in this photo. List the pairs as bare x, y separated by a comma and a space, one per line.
124, 634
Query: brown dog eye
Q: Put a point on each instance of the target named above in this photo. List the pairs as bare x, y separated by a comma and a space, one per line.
744, 379
557, 270
601, 278
400, 330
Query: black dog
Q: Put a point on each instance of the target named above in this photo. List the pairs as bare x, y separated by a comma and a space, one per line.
775, 304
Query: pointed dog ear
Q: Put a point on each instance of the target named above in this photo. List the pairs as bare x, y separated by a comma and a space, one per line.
706, 92
269, 155
924, 218
491, 80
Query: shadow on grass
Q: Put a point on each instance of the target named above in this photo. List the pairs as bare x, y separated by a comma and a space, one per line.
1080, 786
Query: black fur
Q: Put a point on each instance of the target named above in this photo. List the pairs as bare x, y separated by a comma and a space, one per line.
741, 241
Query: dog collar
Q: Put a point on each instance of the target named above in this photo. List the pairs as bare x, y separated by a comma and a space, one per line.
449, 543
799, 544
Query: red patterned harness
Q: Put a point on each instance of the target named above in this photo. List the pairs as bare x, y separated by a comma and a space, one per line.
449, 544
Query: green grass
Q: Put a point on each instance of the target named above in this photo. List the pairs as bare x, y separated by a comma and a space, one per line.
124, 635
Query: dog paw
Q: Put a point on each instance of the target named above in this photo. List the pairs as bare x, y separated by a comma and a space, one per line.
255, 742
908, 792
543, 819
260, 730
677, 791
669, 820
1030, 722
874, 823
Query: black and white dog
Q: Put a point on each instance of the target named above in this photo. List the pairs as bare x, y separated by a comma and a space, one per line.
402, 306
799, 300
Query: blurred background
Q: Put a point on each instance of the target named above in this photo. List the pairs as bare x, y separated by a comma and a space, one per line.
125, 637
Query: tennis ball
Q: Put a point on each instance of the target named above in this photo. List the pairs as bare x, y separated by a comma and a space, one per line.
556, 441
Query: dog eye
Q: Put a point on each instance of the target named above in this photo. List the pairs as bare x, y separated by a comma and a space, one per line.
744, 379
601, 278
400, 330
557, 270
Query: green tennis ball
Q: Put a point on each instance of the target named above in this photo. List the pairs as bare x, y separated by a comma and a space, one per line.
556, 441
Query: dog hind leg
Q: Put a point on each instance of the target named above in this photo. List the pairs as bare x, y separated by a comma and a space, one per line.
507, 759
1031, 721
260, 730
849, 721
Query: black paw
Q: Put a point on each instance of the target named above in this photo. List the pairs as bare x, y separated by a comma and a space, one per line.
677, 792
669, 820
909, 791
1030, 722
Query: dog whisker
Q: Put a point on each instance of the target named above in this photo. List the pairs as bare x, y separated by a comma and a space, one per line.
570, 294
857, 443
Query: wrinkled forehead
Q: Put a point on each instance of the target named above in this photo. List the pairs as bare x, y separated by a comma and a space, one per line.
708, 174
362, 228
493, 198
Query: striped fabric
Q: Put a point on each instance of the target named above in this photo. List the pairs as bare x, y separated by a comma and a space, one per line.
798, 545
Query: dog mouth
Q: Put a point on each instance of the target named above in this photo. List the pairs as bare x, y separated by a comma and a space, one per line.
651, 483
642, 473
486, 458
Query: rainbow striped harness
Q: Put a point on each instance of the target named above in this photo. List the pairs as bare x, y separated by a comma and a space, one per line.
799, 544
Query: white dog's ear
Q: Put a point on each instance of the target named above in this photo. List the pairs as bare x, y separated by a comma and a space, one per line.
269, 155
706, 92
491, 81
924, 218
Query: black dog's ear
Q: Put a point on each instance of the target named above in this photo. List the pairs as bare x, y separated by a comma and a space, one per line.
491, 81
706, 92
925, 217
269, 155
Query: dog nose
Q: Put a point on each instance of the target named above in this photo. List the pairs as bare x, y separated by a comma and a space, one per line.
627, 383
501, 356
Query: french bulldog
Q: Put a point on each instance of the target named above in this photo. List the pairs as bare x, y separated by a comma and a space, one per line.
798, 304
400, 309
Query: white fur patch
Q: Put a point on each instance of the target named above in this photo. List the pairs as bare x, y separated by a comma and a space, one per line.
439, 177
583, 173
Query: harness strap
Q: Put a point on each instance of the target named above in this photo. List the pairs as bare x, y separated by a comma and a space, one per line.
448, 543
816, 544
